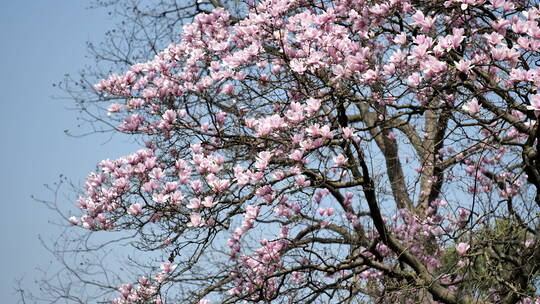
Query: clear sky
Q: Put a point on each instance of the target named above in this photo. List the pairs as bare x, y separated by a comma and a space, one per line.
40, 41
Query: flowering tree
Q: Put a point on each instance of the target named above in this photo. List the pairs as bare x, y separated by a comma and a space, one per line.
345, 151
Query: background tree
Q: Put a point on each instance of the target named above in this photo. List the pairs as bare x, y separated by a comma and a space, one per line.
324, 151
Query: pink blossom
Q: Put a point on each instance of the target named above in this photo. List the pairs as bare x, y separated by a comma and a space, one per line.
432, 66
326, 132
196, 148
160, 198
182, 113
472, 107
424, 22
113, 108
499, 53
340, 160
131, 123
347, 132
340, 71
419, 52
414, 79
278, 175
208, 202
400, 38
196, 185
297, 66
391, 135
463, 65
168, 267
370, 75
205, 126
135, 209
228, 89
535, 104
497, 3
296, 155
462, 248
176, 197
269, 124
73, 221
195, 220
157, 173
313, 106
398, 57
252, 212
457, 37
500, 25
169, 116
325, 211
240, 176
194, 204
494, 38
220, 185
301, 181
171, 186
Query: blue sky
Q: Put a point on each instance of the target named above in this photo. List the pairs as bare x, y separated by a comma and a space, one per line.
41, 41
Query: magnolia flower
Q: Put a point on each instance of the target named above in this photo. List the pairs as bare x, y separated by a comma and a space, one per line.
251, 212
424, 22
157, 173
297, 66
196, 148
227, 89
301, 181
196, 185
263, 158
220, 185
313, 106
208, 202
182, 113
278, 175
296, 155
461, 263
391, 135
414, 79
370, 75
326, 132
494, 38
194, 203
168, 267
169, 116
113, 108
462, 248
160, 198
326, 211
347, 132
535, 105
195, 220
472, 107
340, 160
73, 221
497, 3
463, 65
134, 209
400, 39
